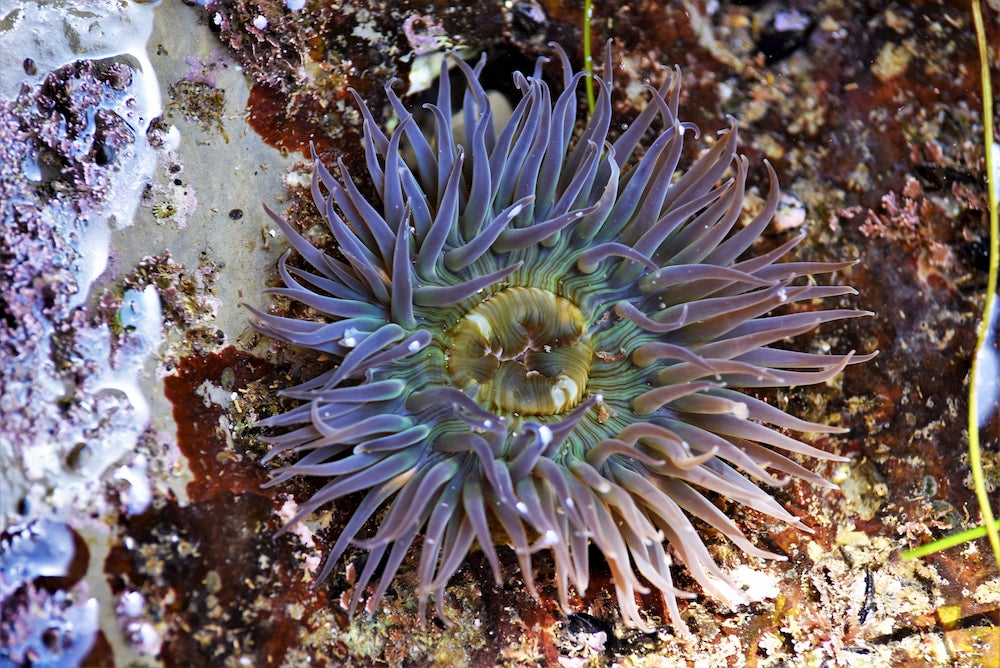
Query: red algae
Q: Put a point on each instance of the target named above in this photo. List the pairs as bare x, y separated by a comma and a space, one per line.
203, 424
292, 130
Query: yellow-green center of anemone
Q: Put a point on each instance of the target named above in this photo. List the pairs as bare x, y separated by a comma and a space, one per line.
525, 350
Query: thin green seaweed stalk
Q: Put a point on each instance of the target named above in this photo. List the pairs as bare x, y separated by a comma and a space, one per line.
588, 59
990, 526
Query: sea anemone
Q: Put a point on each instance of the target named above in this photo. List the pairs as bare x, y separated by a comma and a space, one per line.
537, 338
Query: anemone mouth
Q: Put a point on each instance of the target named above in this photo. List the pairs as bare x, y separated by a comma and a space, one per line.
523, 352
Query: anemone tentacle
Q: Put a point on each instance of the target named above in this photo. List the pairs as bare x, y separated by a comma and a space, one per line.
541, 342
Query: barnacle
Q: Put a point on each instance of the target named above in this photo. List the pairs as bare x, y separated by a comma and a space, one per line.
538, 342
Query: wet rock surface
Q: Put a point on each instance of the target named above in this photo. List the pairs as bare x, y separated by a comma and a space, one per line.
869, 112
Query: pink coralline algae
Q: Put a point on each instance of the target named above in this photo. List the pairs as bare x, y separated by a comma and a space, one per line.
70, 155
424, 33
39, 627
